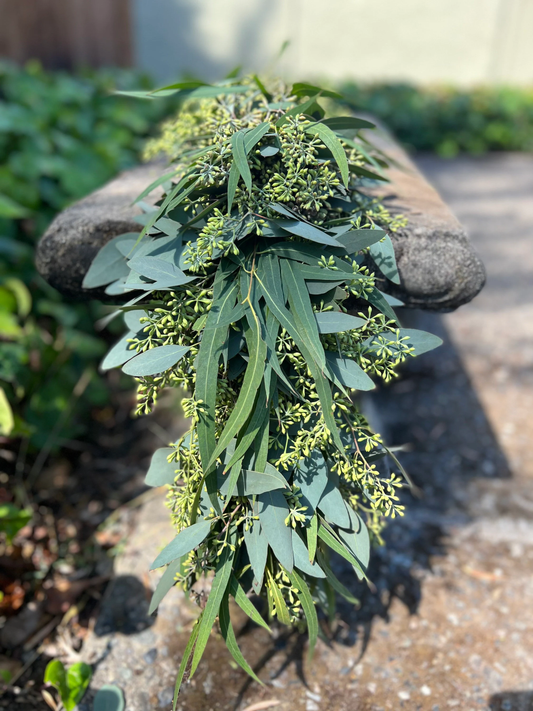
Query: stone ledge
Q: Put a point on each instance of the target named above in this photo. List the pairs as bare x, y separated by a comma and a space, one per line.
438, 267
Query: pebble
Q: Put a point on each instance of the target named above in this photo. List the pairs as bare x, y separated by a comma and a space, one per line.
425, 690
404, 695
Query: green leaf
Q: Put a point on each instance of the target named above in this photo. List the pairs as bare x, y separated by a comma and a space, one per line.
312, 537
273, 510
155, 360
356, 538
163, 272
347, 372
165, 584
356, 240
78, 678
240, 159
254, 135
382, 253
107, 266
56, 675
333, 542
377, 300
245, 604
121, 353
185, 659
302, 310
331, 141
307, 108
304, 229
301, 558
11, 210
364, 173
277, 599
257, 547
324, 274
308, 606
345, 123
261, 87
109, 698
333, 507
160, 181
251, 482
337, 322
247, 395
208, 359
218, 589
228, 634
183, 543
259, 415
304, 89
7, 421
333, 581
233, 181
12, 519
161, 471
269, 151
421, 341
311, 476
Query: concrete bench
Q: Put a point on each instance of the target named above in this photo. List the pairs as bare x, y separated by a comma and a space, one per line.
438, 267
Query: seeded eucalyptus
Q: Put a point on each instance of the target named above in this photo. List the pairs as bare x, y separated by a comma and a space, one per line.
253, 286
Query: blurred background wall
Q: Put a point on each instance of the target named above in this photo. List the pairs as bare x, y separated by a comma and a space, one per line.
459, 42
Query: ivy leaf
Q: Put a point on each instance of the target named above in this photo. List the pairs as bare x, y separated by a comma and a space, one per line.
218, 588
273, 510
228, 634
155, 360
301, 558
240, 159
183, 543
245, 604
161, 471
257, 547
337, 322
331, 141
382, 253
308, 606
165, 584
347, 372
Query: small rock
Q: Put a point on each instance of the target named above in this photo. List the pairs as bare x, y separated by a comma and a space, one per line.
166, 696
404, 695
311, 706
150, 656
425, 690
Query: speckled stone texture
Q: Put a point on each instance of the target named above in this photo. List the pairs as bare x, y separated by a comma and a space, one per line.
439, 269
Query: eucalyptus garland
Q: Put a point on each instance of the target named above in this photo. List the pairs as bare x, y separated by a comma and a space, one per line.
255, 288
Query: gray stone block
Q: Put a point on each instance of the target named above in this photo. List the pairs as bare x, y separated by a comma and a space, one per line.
438, 267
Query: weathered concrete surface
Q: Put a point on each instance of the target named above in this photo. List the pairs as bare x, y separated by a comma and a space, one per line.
449, 625
439, 270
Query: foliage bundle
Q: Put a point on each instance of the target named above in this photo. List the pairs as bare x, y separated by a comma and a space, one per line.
244, 282
447, 120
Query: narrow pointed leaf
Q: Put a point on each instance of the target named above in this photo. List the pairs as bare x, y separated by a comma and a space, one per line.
121, 353
277, 599
333, 507
257, 547
165, 584
337, 322
333, 542
246, 604
159, 270
228, 634
183, 543
240, 159
329, 139
334, 582
356, 240
308, 606
185, 659
344, 123
382, 253
347, 372
312, 537
311, 475
301, 558
377, 299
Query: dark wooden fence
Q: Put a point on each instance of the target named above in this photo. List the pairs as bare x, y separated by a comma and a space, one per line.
66, 34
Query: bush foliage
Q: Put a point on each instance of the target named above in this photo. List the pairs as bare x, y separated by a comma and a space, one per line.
450, 121
60, 137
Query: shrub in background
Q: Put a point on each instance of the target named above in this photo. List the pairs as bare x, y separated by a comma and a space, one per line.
61, 136
449, 121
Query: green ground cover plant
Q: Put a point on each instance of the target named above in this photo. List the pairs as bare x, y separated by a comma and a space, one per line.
61, 136
447, 120
253, 286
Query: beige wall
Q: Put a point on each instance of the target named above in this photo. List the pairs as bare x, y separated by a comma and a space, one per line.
446, 41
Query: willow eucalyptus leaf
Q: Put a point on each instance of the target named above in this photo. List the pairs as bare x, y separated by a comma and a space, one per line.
156, 360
